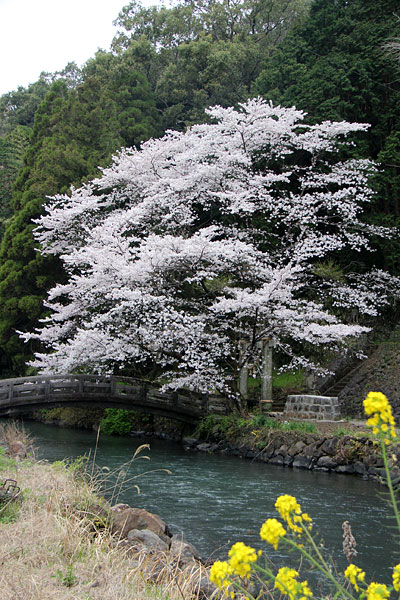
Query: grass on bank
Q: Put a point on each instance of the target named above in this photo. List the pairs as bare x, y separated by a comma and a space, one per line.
233, 426
55, 543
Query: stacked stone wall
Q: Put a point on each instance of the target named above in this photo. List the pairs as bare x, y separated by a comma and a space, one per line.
345, 455
302, 406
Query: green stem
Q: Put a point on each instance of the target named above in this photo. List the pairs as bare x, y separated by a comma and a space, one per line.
389, 481
322, 566
241, 588
315, 547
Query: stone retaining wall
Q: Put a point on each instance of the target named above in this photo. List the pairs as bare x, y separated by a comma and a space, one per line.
303, 406
347, 455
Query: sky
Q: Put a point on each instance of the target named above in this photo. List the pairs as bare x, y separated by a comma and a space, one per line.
45, 35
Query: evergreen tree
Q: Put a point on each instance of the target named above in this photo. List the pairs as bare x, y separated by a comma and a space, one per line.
12, 149
19, 106
75, 131
24, 276
334, 65
196, 53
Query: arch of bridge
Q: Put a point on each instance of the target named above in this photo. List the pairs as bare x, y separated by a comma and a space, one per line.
24, 394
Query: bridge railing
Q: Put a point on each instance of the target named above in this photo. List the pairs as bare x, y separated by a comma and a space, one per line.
43, 389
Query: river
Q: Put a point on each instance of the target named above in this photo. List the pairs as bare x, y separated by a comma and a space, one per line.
217, 500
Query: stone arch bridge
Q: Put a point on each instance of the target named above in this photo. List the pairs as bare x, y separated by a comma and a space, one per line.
25, 394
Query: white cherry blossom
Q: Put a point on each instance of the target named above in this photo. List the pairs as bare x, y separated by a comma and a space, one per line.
200, 239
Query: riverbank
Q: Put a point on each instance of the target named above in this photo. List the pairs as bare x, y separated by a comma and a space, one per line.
61, 539
327, 446
345, 454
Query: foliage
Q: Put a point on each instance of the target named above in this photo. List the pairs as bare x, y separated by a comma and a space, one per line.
339, 48
68, 578
289, 379
12, 149
116, 421
17, 108
304, 426
5, 461
214, 425
76, 129
167, 65
212, 235
245, 574
342, 432
258, 425
200, 53
86, 418
169, 28
9, 512
264, 422
334, 65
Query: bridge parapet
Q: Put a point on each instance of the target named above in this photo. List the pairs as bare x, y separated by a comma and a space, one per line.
41, 391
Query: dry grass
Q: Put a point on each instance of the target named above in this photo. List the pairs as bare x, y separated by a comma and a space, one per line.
58, 548
12, 431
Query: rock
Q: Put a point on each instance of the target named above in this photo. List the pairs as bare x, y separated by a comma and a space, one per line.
190, 441
204, 447
129, 518
360, 468
117, 508
309, 451
206, 588
147, 538
276, 460
347, 469
296, 448
329, 446
375, 473
182, 550
268, 452
326, 462
17, 448
301, 462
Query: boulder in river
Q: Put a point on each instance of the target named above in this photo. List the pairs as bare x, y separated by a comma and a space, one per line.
148, 539
125, 518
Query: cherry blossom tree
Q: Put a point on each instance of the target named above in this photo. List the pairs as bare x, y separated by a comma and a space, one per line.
201, 239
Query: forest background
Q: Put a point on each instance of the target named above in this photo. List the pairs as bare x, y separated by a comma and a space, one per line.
165, 67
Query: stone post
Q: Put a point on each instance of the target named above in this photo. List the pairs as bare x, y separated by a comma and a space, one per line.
244, 371
266, 374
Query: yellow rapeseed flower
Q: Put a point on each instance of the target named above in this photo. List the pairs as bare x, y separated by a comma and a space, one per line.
396, 578
271, 531
377, 591
220, 572
381, 420
241, 557
354, 575
286, 582
290, 511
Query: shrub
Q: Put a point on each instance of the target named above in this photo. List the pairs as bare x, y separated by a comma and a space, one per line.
116, 421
